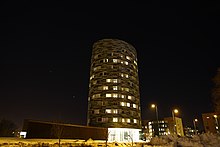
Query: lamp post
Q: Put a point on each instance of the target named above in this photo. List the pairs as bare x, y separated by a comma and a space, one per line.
194, 124
155, 107
216, 121
174, 120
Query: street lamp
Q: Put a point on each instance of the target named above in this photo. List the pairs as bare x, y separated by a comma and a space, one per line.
155, 107
194, 123
216, 121
174, 120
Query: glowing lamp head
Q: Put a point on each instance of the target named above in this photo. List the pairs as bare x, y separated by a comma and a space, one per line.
153, 105
195, 120
175, 111
215, 116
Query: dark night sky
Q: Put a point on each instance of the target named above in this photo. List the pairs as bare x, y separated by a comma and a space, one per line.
46, 50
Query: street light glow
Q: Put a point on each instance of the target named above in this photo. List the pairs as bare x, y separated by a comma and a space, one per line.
175, 111
215, 116
196, 120
153, 105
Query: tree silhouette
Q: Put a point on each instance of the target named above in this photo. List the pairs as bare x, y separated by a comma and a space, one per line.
216, 92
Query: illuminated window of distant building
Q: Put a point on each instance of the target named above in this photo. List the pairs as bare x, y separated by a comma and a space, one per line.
135, 120
115, 111
129, 97
108, 80
134, 106
115, 95
127, 57
105, 60
128, 120
128, 104
122, 120
115, 87
126, 75
126, 63
105, 88
92, 77
108, 111
96, 111
122, 96
96, 95
115, 119
115, 80
135, 62
115, 60
125, 89
108, 95
122, 103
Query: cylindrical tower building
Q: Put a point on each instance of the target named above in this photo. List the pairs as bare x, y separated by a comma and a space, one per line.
114, 99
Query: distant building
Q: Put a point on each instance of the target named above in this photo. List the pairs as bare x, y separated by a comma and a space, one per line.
51, 130
211, 122
114, 99
156, 129
189, 131
175, 125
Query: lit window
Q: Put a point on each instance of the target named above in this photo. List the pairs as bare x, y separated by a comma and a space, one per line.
128, 104
112, 80
96, 95
115, 60
115, 80
115, 87
96, 111
92, 77
108, 111
122, 96
135, 62
105, 60
108, 80
108, 95
123, 103
114, 111
115, 119
126, 63
125, 89
115, 95
126, 75
129, 97
134, 106
135, 120
105, 87
127, 57
128, 120
122, 120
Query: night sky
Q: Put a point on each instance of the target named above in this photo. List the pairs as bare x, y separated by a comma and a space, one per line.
46, 50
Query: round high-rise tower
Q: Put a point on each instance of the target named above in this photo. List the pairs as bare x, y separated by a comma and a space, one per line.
114, 99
